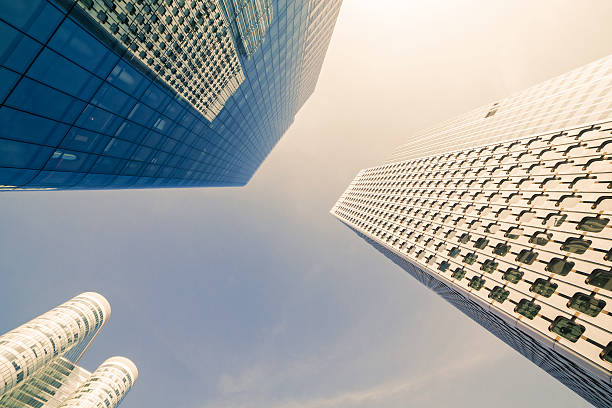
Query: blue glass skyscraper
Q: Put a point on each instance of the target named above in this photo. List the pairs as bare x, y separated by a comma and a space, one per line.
107, 94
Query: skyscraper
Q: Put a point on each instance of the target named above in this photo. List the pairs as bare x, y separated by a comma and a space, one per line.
106, 94
38, 360
505, 212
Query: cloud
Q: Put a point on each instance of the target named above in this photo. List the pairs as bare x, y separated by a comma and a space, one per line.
375, 395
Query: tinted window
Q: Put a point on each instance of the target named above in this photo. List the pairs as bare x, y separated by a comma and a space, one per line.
501, 249
481, 243
543, 287
499, 294
592, 224
476, 283
527, 309
586, 304
566, 328
600, 278
458, 273
489, 266
526, 256
559, 266
576, 245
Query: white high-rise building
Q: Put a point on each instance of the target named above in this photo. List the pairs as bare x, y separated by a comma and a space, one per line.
505, 212
38, 360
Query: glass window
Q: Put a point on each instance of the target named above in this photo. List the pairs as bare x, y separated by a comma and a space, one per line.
540, 238
107, 165
543, 287
559, 266
151, 170
124, 77
142, 114
56, 178
567, 329
576, 245
155, 97
119, 148
592, 224
74, 43
22, 126
84, 140
470, 258
586, 304
130, 131
33, 97
464, 238
142, 153
501, 249
15, 177
8, 79
514, 233
477, 283
499, 294
99, 120
458, 273
600, 278
132, 168
489, 266
526, 256
58, 72
16, 50
97, 180
114, 100
35, 17
481, 243
454, 252
68, 160
527, 308
23, 155
444, 265
173, 110
606, 353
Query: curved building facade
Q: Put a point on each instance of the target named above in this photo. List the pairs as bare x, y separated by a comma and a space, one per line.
38, 360
55, 333
109, 383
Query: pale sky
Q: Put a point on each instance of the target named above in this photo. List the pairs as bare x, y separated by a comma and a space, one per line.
257, 297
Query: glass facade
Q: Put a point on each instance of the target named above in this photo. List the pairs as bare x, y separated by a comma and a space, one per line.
523, 218
38, 360
82, 109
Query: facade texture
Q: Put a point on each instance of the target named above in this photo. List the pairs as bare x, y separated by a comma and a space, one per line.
38, 360
106, 94
514, 229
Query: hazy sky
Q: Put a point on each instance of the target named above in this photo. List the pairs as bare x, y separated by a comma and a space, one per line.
257, 297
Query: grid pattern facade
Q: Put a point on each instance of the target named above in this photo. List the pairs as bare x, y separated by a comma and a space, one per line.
48, 387
323, 15
579, 97
506, 214
78, 111
595, 390
249, 20
38, 363
187, 44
